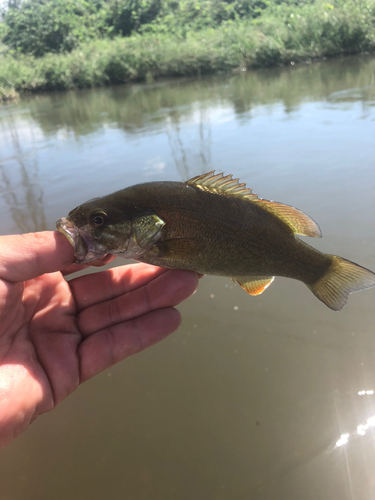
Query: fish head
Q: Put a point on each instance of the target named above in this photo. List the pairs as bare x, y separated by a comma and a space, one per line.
99, 227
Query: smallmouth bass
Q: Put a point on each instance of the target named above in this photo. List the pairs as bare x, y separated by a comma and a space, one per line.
212, 224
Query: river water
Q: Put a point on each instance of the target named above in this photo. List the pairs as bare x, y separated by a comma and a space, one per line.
254, 397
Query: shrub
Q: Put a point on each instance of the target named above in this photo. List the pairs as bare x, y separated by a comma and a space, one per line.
40, 26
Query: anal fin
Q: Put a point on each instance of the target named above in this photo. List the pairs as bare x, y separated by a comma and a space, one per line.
254, 285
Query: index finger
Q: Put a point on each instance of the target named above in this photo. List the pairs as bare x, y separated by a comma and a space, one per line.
75, 268
26, 256
91, 289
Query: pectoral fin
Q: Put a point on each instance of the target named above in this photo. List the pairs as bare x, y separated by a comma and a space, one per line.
254, 285
146, 232
176, 253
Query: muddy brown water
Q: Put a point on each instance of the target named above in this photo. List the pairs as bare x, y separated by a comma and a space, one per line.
268, 397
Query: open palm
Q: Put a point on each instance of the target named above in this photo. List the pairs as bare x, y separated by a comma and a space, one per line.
56, 334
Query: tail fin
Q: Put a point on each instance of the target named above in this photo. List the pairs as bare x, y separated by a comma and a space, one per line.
342, 278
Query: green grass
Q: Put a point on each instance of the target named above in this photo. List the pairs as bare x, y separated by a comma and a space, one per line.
283, 34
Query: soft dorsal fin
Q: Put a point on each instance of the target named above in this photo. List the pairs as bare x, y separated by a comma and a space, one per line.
298, 221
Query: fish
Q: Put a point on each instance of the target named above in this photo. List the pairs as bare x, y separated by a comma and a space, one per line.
212, 224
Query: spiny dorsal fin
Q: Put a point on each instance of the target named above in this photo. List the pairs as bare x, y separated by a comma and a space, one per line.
254, 285
221, 184
298, 221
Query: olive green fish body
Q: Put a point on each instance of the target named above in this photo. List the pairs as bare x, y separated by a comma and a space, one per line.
212, 225
224, 236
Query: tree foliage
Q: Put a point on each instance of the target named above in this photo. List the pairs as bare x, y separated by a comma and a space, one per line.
171, 16
284, 32
40, 26
127, 16
200, 14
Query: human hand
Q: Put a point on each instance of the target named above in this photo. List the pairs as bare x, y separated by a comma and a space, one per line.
55, 334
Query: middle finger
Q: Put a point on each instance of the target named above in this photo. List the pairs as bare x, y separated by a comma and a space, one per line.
167, 290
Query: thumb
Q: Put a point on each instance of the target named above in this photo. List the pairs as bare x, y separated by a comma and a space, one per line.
26, 256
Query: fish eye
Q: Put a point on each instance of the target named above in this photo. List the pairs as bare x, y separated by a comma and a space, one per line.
98, 219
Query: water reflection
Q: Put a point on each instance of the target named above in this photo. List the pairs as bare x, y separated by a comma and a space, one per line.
197, 151
188, 112
21, 187
134, 108
344, 439
242, 402
361, 431
361, 428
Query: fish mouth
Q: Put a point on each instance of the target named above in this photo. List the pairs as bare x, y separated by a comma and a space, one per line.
81, 240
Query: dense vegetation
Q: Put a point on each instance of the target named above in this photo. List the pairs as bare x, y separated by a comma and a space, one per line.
41, 26
62, 44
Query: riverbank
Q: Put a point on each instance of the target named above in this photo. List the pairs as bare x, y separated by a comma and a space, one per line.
282, 35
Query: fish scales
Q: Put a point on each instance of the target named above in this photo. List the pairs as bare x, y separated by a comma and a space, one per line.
232, 236
212, 225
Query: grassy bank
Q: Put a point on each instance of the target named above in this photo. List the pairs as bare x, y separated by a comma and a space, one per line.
8, 94
281, 35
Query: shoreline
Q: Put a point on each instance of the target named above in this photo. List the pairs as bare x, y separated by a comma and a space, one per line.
10, 95
293, 35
